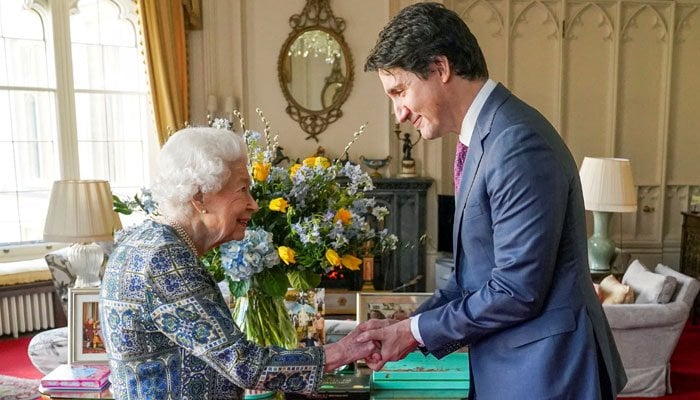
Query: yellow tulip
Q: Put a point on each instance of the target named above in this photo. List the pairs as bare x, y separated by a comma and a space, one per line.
351, 262
317, 162
333, 257
260, 171
286, 254
278, 204
293, 170
322, 162
343, 215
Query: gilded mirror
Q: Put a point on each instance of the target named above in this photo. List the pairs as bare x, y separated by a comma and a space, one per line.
315, 68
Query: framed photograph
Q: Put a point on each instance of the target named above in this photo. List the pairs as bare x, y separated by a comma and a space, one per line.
85, 344
388, 305
341, 302
307, 309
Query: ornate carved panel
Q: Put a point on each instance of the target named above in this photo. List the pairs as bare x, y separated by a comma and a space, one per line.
589, 54
533, 64
488, 22
684, 118
642, 87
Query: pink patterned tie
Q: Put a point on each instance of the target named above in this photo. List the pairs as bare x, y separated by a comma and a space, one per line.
459, 163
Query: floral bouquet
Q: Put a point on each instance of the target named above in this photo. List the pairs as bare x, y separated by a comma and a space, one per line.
313, 219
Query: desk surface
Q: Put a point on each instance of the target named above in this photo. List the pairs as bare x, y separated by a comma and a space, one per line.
352, 378
452, 394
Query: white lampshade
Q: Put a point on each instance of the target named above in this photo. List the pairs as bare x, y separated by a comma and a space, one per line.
80, 211
608, 185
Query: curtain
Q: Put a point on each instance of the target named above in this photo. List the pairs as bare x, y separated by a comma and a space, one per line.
163, 29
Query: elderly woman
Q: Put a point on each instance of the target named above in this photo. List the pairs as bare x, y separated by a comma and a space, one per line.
167, 330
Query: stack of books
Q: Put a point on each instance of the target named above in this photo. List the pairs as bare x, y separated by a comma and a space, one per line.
77, 377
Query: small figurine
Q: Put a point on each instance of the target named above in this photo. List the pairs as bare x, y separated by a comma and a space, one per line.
320, 152
408, 164
279, 156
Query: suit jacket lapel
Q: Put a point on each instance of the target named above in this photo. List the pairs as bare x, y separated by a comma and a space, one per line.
473, 161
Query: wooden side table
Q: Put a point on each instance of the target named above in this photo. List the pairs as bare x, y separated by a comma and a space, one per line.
690, 253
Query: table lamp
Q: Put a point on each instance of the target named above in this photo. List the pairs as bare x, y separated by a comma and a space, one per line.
80, 212
608, 187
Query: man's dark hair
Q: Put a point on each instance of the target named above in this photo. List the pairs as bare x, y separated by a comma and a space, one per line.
421, 32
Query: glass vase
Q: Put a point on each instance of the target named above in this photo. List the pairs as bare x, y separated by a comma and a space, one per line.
264, 319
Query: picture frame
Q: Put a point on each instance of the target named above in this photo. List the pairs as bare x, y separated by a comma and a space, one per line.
85, 344
341, 302
388, 305
307, 309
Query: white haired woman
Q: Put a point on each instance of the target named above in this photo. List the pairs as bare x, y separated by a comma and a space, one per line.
166, 327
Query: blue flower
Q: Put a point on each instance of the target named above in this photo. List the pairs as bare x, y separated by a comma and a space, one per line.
242, 259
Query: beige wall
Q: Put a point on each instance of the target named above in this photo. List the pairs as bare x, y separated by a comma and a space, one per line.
256, 33
619, 78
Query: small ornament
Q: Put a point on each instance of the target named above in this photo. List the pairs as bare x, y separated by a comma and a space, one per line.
375, 164
408, 164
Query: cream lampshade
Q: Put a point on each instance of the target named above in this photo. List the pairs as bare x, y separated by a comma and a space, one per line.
80, 212
608, 187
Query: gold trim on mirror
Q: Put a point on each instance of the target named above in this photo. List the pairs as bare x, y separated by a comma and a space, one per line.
315, 68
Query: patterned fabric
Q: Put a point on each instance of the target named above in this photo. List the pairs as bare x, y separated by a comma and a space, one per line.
169, 334
460, 156
49, 349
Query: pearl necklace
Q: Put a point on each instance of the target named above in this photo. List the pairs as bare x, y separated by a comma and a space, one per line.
183, 234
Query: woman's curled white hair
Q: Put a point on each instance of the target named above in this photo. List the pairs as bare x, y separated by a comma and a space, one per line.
194, 160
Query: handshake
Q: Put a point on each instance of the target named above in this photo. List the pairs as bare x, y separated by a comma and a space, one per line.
377, 341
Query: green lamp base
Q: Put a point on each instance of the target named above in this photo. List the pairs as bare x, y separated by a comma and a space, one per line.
601, 250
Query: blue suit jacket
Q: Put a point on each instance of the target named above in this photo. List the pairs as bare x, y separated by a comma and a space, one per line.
521, 296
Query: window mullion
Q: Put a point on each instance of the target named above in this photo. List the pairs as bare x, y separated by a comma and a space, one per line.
65, 98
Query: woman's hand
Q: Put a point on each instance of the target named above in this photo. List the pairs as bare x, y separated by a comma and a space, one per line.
349, 349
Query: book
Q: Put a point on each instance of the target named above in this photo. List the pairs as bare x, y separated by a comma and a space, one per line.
77, 376
71, 393
339, 386
421, 394
417, 371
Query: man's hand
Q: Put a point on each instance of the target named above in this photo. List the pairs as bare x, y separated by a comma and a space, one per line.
395, 339
349, 349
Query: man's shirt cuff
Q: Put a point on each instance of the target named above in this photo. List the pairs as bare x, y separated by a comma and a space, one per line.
414, 329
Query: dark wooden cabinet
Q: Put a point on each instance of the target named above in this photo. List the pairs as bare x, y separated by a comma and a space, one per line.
406, 200
690, 252
690, 245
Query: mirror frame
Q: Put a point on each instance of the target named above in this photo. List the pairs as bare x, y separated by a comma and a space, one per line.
316, 15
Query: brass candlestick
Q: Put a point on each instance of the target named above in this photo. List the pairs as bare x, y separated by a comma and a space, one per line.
367, 274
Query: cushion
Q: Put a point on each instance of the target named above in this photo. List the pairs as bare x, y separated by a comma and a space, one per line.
614, 292
19, 272
649, 287
48, 349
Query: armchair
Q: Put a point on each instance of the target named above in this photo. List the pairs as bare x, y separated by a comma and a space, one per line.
647, 333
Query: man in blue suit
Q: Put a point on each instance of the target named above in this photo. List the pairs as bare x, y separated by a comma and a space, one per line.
521, 296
